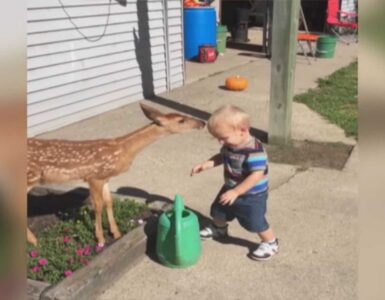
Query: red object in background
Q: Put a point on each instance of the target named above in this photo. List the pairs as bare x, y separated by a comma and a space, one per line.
207, 54
335, 17
307, 37
190, 3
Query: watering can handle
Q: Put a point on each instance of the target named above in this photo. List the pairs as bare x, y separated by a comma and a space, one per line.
178, 210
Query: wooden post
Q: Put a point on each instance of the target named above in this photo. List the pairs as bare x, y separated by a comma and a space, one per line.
283, 59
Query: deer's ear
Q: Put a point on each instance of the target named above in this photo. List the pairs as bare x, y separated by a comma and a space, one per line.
150, 112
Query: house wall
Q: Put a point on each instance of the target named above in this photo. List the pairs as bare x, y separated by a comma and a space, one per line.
79, 67
217, 5
174, 45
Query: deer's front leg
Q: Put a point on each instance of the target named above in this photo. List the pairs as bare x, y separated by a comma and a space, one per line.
31, 237
110, 212
96, 191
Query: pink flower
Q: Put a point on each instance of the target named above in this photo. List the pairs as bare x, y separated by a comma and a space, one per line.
80, 252
67, 273
99, 248
87, 250
43, 262
33, 254
36, 269
66, 239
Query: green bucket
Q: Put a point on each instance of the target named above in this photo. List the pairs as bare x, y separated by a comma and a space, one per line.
326, 45
221, 38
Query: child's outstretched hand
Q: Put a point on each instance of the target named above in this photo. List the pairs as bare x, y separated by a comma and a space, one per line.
228, 197
201, 167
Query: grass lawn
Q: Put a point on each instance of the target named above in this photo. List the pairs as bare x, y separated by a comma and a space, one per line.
335, 99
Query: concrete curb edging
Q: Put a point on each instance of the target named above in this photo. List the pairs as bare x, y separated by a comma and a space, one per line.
105, 268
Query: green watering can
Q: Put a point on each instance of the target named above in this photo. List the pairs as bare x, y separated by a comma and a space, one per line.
178, 243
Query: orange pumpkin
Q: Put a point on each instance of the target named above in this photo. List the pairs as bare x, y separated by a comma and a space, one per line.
236, 83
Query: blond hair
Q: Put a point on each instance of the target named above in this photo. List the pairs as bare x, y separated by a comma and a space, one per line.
229, 115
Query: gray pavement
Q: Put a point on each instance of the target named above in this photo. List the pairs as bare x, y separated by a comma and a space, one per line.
312, 211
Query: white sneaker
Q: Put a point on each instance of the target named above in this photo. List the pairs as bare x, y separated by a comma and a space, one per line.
213, 232
265, 251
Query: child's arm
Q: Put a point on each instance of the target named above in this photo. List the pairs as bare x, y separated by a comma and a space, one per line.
214, 161
249, 182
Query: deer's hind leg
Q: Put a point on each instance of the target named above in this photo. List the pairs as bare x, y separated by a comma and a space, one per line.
110, 213
96, 191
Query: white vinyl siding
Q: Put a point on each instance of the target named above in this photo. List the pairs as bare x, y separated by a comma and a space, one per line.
175, 44
71, 78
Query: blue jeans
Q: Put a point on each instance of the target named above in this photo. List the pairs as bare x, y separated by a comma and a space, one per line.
249, 210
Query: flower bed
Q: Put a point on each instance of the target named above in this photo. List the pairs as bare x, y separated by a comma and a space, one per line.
68, 263
70, 244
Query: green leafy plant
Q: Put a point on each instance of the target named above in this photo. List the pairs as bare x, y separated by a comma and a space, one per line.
70, 244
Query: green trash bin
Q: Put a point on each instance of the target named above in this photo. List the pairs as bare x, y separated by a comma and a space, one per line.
221, 38
326, 45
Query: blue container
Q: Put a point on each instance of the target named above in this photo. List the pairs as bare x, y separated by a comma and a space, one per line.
200, 29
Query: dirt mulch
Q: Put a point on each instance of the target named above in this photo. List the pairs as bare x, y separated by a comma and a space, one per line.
308, 154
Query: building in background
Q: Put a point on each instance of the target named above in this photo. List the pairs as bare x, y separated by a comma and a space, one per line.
87, 57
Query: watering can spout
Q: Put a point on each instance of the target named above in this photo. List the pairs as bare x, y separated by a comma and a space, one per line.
178, 209
178, 204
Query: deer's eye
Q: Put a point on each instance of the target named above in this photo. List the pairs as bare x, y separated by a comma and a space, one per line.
181, 121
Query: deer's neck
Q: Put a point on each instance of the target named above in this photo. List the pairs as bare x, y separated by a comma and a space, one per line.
134, 142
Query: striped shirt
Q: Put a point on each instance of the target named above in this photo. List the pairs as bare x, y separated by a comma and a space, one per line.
241, 162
